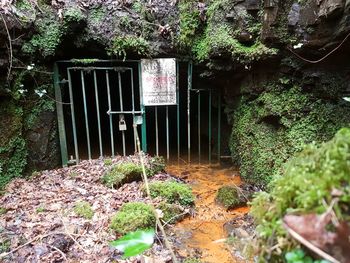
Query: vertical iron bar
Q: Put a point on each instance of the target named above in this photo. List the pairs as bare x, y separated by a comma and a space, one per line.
178, 110
209, 126
98, 114
76, 149
199, 126
143, 127
110, 115
219, 126
157, 139
60, 116
85, 114
133, 106
189, 87
121, 108
167, 133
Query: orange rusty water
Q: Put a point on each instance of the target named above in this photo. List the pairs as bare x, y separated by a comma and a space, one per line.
204, 232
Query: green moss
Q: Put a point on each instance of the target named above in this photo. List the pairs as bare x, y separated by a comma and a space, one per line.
96, 15
133, 216
40, 209
24, 5
84, 61
48, 38
3, 211
189, 23
306, 184
220, 39
271, 127
122, 45
229, 196
172, 192
73, 15
192, 260
172, 213
156, 165
84, 210
107, 162
122, 173
5, 245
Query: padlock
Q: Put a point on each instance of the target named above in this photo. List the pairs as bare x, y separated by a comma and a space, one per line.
122, 125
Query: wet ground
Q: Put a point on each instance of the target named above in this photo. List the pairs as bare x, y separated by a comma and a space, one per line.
203, 234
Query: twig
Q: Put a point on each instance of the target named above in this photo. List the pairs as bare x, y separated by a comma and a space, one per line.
145, 179
59, 251
75, 241
309, 245
10, 46
324, 57
176, 216
25, 244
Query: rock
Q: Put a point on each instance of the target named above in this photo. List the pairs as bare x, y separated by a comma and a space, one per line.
294, 15
330, 9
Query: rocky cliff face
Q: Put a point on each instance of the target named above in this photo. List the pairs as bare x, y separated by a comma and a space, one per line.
275, 100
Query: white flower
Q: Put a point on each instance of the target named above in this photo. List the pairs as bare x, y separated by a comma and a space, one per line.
30, 67
298, 46
21, 85
40, 92
22, 91
346, 99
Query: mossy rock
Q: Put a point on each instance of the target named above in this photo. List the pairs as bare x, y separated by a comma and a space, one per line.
84, 210
121, 174
172, 192
172, 213
230, 196
133, 216
307, 184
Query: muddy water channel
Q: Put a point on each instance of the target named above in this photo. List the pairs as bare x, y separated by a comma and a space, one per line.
202, 235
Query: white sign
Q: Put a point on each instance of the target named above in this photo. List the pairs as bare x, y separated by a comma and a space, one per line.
159, 81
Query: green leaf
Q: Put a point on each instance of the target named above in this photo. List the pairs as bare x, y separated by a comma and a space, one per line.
134, 243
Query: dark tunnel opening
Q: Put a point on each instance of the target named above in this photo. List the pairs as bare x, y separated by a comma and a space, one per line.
106, 138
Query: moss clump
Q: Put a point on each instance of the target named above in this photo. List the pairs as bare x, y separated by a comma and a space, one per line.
218, 39
73, 15
270, 127
229, 196
96, 15
172, 192
307, 182
156, 165
122, 173
172, 213
133, 216
107, 162
3, 211
84, 210
189, 23
84, 61
122, 45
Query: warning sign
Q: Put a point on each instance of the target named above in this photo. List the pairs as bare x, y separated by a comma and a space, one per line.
159, 81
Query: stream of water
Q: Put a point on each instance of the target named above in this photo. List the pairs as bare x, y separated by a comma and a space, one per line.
204, 233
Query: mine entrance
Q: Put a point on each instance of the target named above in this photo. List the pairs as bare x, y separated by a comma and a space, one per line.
100, 104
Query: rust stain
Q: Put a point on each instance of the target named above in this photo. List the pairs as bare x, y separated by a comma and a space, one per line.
206, 227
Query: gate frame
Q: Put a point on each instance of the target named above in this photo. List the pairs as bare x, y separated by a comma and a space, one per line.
60, 114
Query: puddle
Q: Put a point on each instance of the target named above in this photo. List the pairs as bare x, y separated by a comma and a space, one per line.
204, 232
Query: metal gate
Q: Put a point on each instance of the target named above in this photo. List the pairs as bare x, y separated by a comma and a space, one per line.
111, 93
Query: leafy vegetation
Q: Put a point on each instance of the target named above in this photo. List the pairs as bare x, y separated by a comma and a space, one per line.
135, 243
133, 216
172, 192
84, 210
298, 256
305, 187
189, 23
229, 196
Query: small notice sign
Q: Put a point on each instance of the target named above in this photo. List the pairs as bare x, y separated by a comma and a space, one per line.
159, 81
